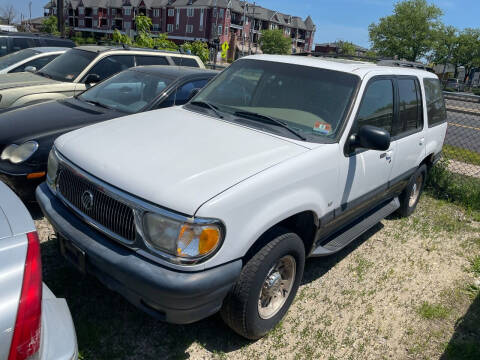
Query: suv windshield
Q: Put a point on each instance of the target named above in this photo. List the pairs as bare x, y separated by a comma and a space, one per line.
68, 66
310, 101
8, 60
129, 91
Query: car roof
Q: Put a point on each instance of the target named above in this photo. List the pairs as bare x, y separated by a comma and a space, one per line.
360, 68
104, 48
173, 71
48, 49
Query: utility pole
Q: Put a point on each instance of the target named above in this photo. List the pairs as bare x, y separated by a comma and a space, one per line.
245, 10
216, 41
60, 20
252, 25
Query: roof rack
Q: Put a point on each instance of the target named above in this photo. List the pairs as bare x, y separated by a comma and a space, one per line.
378, 61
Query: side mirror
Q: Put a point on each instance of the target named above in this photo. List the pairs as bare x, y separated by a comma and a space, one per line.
31, 69
92, 79
371, 138
193, 93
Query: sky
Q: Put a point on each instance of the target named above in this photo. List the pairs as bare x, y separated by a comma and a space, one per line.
346, 20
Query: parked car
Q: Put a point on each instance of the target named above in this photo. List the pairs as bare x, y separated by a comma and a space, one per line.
77, 69
14, 41
31, 59
455, 84
216, 206
34, 324
30, 131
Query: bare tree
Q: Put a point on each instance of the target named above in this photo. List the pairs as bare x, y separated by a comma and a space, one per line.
9, 13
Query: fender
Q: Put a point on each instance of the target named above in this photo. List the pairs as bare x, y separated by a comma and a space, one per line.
257, 204
36, 98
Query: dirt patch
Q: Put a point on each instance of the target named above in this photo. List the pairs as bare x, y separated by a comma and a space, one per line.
395, 293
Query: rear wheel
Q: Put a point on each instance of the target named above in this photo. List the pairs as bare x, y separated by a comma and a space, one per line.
411, 194
266, 287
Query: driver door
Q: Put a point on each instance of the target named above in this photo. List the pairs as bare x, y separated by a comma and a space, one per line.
365, 173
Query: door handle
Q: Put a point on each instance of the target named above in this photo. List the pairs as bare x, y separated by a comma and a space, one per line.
421, 142
388, 156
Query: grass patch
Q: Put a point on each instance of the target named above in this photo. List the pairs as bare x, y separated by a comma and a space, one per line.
433, 311
361, 267
476, 266
460, 154
463, 190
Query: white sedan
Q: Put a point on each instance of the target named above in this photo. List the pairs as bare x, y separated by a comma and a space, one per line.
31, 59
34, 324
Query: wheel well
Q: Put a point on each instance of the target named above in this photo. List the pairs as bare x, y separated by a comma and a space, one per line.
428, 161
304, 224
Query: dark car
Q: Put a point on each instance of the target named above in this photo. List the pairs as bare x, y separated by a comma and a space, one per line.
27, 134
15, 41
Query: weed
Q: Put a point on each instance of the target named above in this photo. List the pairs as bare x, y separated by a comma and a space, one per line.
475, 265
433, 311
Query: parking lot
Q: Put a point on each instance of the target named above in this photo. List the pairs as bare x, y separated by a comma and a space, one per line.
402, 291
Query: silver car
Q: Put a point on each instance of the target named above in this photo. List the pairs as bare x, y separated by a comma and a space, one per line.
34, 324
31, 59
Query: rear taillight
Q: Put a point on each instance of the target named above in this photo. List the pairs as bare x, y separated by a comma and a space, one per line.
26, 334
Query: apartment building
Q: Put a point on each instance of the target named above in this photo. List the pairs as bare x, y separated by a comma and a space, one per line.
237, 22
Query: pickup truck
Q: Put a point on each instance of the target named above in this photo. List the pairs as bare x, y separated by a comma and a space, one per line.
215, 205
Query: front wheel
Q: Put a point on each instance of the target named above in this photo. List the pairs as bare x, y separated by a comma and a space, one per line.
411, 194
266, 287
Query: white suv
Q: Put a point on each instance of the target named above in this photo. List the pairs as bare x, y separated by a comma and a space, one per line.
215, 205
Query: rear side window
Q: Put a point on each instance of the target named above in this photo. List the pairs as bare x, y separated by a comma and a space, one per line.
377, 106
184, 61
151, 60
410, 108
111, 65
183, 93
22, 43
437, 114
37, 63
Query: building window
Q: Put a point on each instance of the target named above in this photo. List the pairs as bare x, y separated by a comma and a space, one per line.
307, 35
222, 12
202, 12
177, 21
114, 12
81, 10
95, 11
189, 29
190, 12
171, 12
215, 12
95, 23
170, 27
226, 30
127, 11
126, 24
156, 27
81, 23
156, 12
220, 30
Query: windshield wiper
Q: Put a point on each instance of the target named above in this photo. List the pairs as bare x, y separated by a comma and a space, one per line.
96, 103
268, 120
208, 106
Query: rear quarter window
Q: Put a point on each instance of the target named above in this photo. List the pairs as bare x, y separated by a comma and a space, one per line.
184, 61
437, 114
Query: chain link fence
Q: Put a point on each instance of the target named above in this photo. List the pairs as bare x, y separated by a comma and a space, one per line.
457, 176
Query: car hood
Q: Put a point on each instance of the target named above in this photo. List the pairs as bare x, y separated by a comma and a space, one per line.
49, 118
8, 81
173, 157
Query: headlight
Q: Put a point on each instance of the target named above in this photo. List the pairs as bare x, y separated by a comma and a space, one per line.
183, 242
18, 154
52, 168
8, 151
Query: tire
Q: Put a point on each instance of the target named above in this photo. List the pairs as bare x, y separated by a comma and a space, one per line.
241, 309
411, 194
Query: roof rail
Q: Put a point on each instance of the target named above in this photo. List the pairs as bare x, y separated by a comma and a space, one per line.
402, 63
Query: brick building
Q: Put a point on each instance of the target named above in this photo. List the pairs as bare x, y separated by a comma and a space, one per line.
237, 22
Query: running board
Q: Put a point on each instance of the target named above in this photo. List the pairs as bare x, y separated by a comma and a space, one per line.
343, 239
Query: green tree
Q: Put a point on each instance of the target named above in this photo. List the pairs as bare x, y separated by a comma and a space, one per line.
199, 49
162, 42
50, 25
120, 38
467, 51
409, 32
346, 48
275, 42
144, 36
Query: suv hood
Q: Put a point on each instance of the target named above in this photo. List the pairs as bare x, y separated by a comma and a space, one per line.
173, 157
8, 81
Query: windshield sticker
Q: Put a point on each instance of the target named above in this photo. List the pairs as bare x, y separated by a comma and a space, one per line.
322, 128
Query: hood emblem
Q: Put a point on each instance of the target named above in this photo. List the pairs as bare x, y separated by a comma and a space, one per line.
87, 200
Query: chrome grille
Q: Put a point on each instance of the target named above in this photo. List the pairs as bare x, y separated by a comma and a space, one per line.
106, 211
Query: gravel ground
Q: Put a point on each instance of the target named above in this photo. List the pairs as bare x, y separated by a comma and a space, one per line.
408, 289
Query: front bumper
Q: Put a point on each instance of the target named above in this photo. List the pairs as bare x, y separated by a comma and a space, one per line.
59, 341
170, 295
